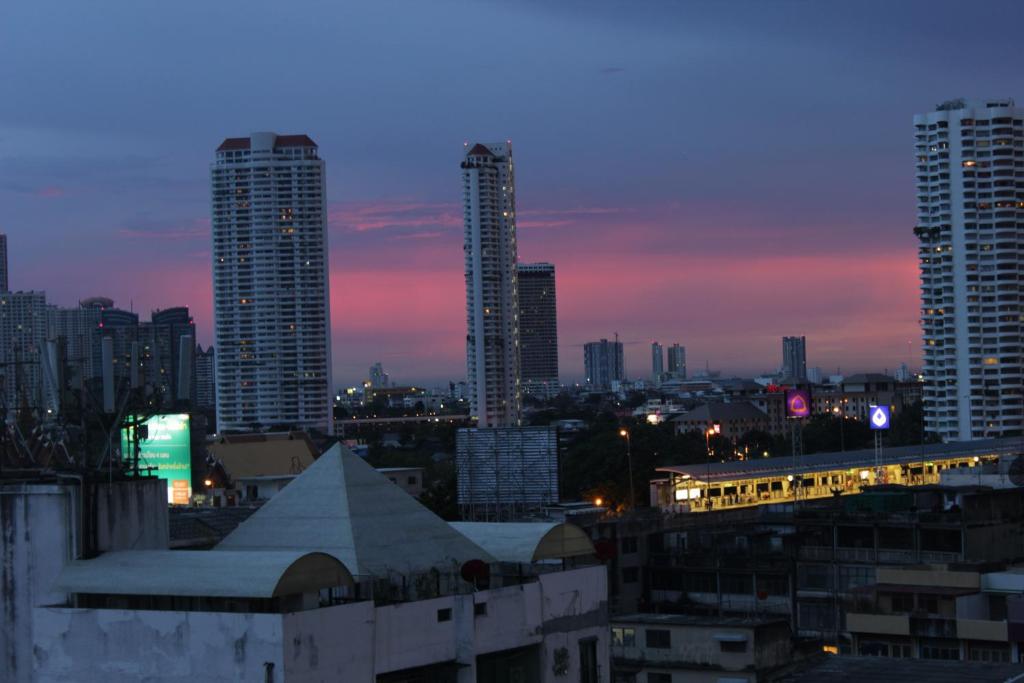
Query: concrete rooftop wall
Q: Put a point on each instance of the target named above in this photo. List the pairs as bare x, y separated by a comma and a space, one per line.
74, 645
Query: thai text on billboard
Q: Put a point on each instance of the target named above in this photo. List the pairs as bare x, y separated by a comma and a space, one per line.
167, 449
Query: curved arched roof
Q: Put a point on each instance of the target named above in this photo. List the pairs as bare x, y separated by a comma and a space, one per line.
202, 573
527, 542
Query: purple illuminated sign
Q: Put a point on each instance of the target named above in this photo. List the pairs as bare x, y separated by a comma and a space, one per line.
798, 403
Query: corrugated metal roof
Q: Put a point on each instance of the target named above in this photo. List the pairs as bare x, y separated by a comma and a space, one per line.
341, 506
202, 573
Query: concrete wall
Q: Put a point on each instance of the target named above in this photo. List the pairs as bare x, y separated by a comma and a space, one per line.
74, 645
36, 541
574, 607
39, 532
330, 644
352, 642
132, 515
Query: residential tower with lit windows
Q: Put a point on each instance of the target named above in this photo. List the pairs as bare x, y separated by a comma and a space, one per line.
970, 221
492, 285
270, 284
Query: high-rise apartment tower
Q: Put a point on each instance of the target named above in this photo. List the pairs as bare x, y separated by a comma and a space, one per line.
677, 361
794, 358
538, 329
603, 363
970, 222
492, 288
270, 283
657, 363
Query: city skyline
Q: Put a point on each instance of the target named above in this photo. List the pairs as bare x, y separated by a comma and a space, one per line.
119, 182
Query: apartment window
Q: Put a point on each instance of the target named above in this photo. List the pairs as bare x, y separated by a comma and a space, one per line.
444, 614
624, 637
988, 652
480, 609
658, 638
901, 602
940, 649
733, 645
630, 575
411, 481
629, 545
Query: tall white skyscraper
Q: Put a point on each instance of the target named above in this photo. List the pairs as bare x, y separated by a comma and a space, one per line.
970, 221
270, 283
492, 289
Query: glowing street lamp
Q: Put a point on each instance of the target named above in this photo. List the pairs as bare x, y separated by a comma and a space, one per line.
624, 433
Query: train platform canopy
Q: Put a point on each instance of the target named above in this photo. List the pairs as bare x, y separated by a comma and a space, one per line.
826, 462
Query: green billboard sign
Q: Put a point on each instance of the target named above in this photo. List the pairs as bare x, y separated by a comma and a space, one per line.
167, 449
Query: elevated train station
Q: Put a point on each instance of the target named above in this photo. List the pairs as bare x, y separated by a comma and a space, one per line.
747, 483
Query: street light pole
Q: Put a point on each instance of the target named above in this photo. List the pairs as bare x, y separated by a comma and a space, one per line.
624, 433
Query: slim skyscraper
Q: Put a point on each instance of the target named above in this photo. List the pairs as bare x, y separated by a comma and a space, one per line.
205, 385
270, 283
794, 358
379, 379
677, 361
492, 289
970, 222
657, 363
603, 363
23, 335
167, 355
4, 284
538, 329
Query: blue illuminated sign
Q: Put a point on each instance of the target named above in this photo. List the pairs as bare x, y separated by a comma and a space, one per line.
879, 417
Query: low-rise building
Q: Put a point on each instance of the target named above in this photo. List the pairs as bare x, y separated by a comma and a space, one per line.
258, 466
734, 419
943, 612
340, 576
679, 648
409, 479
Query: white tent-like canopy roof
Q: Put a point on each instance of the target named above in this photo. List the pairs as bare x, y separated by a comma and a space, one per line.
201, 573
527, 542
342, 506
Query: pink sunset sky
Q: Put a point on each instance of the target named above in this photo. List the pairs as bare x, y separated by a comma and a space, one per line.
713, 174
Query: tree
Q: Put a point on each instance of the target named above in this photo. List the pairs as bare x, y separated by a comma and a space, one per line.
908, 427
597, 463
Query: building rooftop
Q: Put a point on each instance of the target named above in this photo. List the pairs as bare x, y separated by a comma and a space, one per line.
281, 141
527, 542
865, 377
341, 506
246, 456
822, 462
480, 150
696, 620
892, 670
719, 412
203, 573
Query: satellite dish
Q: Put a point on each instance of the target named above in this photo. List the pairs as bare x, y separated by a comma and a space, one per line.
1016, 471
475, 570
